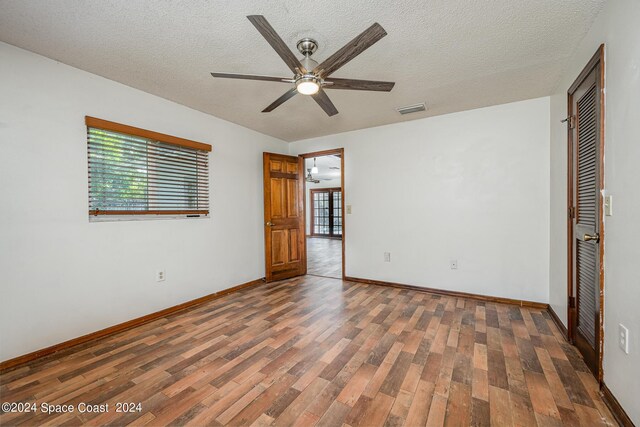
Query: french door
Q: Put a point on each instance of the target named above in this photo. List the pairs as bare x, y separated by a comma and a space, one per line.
326, 212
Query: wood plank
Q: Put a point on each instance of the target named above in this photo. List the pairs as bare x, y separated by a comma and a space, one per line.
540, 393
421, 404
459, 405
522, 410
480, 414
377, 413
499, 407
354, 388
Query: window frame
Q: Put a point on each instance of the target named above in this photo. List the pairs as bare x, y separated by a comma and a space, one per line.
120, 215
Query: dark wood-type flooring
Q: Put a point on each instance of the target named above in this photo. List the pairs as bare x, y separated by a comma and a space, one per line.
320, 351
324, 257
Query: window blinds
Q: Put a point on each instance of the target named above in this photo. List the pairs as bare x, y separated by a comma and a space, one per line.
133, 171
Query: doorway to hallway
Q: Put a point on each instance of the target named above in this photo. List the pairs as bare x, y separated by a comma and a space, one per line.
324, 215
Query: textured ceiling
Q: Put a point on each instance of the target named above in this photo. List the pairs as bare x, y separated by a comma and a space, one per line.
453, 55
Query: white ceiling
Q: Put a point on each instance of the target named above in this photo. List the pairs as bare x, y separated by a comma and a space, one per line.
328, 167
453, 55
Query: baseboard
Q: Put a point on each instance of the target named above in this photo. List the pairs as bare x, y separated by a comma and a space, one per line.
615, 407
21, 360
558, 322
488, 298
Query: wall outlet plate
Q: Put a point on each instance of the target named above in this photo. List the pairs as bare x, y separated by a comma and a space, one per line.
161, 275
387, 257
623, 338
453, 264
348, 209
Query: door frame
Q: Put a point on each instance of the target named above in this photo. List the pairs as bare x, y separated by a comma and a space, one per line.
330, 152
596, 59
312, 192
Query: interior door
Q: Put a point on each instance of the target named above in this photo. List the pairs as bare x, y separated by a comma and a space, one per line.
586, 183
283, 217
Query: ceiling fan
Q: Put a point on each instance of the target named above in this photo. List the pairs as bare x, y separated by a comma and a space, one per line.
309, 77
310, 178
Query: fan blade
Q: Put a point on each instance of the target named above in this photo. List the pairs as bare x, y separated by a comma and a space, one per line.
352, 49
352, 84
276, 43
275, 104
325, 103
251, 77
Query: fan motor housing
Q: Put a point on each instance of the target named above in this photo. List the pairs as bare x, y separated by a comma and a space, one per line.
307, 46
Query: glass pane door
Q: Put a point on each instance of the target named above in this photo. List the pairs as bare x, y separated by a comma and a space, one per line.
326, 212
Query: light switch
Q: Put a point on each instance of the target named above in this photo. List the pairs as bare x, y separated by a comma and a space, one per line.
348, 209
623, 338
608, 205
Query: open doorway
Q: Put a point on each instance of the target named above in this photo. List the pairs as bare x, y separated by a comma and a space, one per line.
324, 213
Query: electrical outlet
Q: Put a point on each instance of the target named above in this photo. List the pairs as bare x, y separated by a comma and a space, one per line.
160, 276
453, 264
623, 338
348, 209
387, 257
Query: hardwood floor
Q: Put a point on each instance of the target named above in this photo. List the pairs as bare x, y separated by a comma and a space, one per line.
319, 351
324, 257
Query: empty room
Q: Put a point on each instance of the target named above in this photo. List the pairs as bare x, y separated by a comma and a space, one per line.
286, 213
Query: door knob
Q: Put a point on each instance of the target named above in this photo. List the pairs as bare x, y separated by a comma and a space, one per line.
269, 224
589, 237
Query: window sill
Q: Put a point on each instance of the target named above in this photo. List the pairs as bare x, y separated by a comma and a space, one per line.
150, 217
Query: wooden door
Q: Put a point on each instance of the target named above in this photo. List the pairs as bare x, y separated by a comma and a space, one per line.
283, 217
586, 184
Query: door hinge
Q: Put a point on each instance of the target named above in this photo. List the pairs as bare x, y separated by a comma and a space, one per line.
572, 302
572, 212
571, 121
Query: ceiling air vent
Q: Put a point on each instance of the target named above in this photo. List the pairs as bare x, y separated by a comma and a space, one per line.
411, 108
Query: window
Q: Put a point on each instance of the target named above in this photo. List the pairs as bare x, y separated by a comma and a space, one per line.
133, 171
326, 212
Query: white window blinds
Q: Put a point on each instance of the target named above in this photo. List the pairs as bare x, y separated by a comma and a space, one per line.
133, 171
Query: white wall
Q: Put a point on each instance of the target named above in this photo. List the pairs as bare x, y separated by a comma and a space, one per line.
618, 27
558, 206
471, 186
333, 183
62, 276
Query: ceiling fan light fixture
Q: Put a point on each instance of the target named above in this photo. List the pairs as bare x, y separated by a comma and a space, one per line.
314, 169
307, 85
309, 76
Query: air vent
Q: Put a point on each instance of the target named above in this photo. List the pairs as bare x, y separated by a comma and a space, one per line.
411, 108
